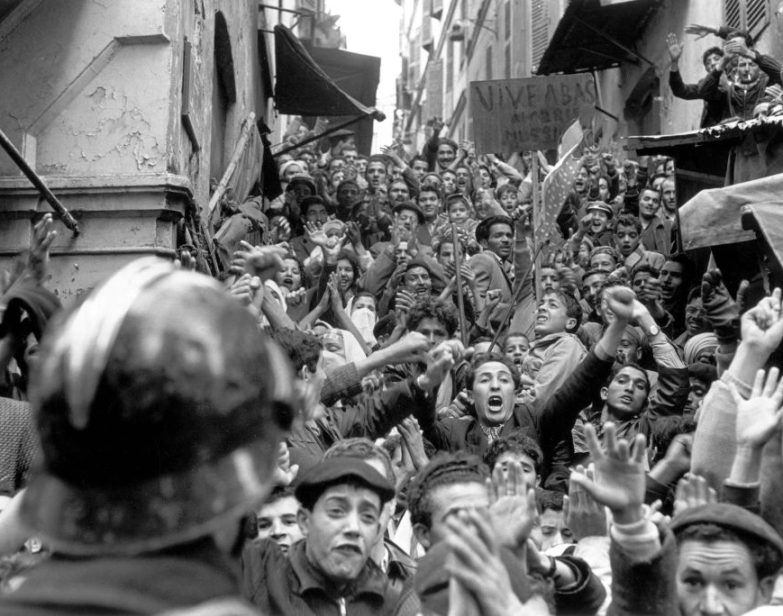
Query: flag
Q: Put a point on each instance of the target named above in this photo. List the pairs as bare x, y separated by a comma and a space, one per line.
557, 184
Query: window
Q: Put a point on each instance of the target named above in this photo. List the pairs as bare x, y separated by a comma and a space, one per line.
540, 30
508, 61
507, 19
449, 65
489, 63
750, 15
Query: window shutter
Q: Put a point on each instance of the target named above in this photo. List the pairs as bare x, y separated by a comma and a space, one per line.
757, 17
732, 13
540, 30
427, 41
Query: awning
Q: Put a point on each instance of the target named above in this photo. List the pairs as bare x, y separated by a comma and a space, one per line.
766, 219
597, 34
358, 76
713, 217
303, 88
738, 151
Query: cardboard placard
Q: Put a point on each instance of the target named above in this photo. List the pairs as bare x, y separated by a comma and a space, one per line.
511, 115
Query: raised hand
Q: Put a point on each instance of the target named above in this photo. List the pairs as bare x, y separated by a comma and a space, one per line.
675, 49
759, 417
38, 257
333, 289
316, 233
762, 325
693, 491
699, 31
413, 442
280, 231
186, 260
619, 473
412, 347
513, 506
476, 565
285, 472
583, 515
619, 301
245, 288
440, 361
261, 261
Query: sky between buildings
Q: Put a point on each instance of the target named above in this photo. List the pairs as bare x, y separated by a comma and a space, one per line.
371, 27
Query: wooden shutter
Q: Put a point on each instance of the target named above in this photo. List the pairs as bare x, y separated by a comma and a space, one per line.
757, 17
540, 30
732, 13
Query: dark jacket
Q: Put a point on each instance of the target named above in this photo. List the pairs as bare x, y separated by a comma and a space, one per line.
736, 101
645, 588
657, 237
549, 422
371, 417
177, 578
712, 111
291, 585
586, 596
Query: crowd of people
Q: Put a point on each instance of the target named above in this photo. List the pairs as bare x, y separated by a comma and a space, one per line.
391, 403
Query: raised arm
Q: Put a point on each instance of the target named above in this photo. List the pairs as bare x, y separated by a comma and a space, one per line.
639, 558
558, 414
714, 446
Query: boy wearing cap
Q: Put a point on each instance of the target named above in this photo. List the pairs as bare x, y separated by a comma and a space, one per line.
330, 570
599, 215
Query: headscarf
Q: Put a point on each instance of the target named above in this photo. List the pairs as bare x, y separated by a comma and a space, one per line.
699, 343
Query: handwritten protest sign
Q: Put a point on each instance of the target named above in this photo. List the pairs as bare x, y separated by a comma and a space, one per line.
528, 114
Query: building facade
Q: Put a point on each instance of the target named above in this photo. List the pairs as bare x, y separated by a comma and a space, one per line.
446, 44
450, 43
127, 110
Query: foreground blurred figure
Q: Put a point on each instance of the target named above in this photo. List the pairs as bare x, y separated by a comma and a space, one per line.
155, 404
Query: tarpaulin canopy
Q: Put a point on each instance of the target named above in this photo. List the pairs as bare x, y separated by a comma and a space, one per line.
714, 217
597, 34
766, 219
303, 88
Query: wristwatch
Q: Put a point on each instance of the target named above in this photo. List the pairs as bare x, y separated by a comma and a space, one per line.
653, 330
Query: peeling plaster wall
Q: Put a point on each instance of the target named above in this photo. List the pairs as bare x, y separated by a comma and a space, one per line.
196, 21
92, 96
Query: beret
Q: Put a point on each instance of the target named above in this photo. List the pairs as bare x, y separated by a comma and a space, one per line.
729, 516
410, 205
329, 472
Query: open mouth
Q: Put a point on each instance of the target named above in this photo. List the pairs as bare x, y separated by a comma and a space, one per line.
348, 549
626, 399
288, 281
495, 403
542, 318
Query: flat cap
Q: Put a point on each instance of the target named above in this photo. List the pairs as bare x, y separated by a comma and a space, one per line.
601, 206
729, 516
333, 471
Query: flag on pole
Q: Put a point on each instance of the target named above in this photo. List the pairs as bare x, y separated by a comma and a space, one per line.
557, 184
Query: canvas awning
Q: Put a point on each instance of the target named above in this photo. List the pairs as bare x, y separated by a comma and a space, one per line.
714, 217
597, 34
303, 88
766, 219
